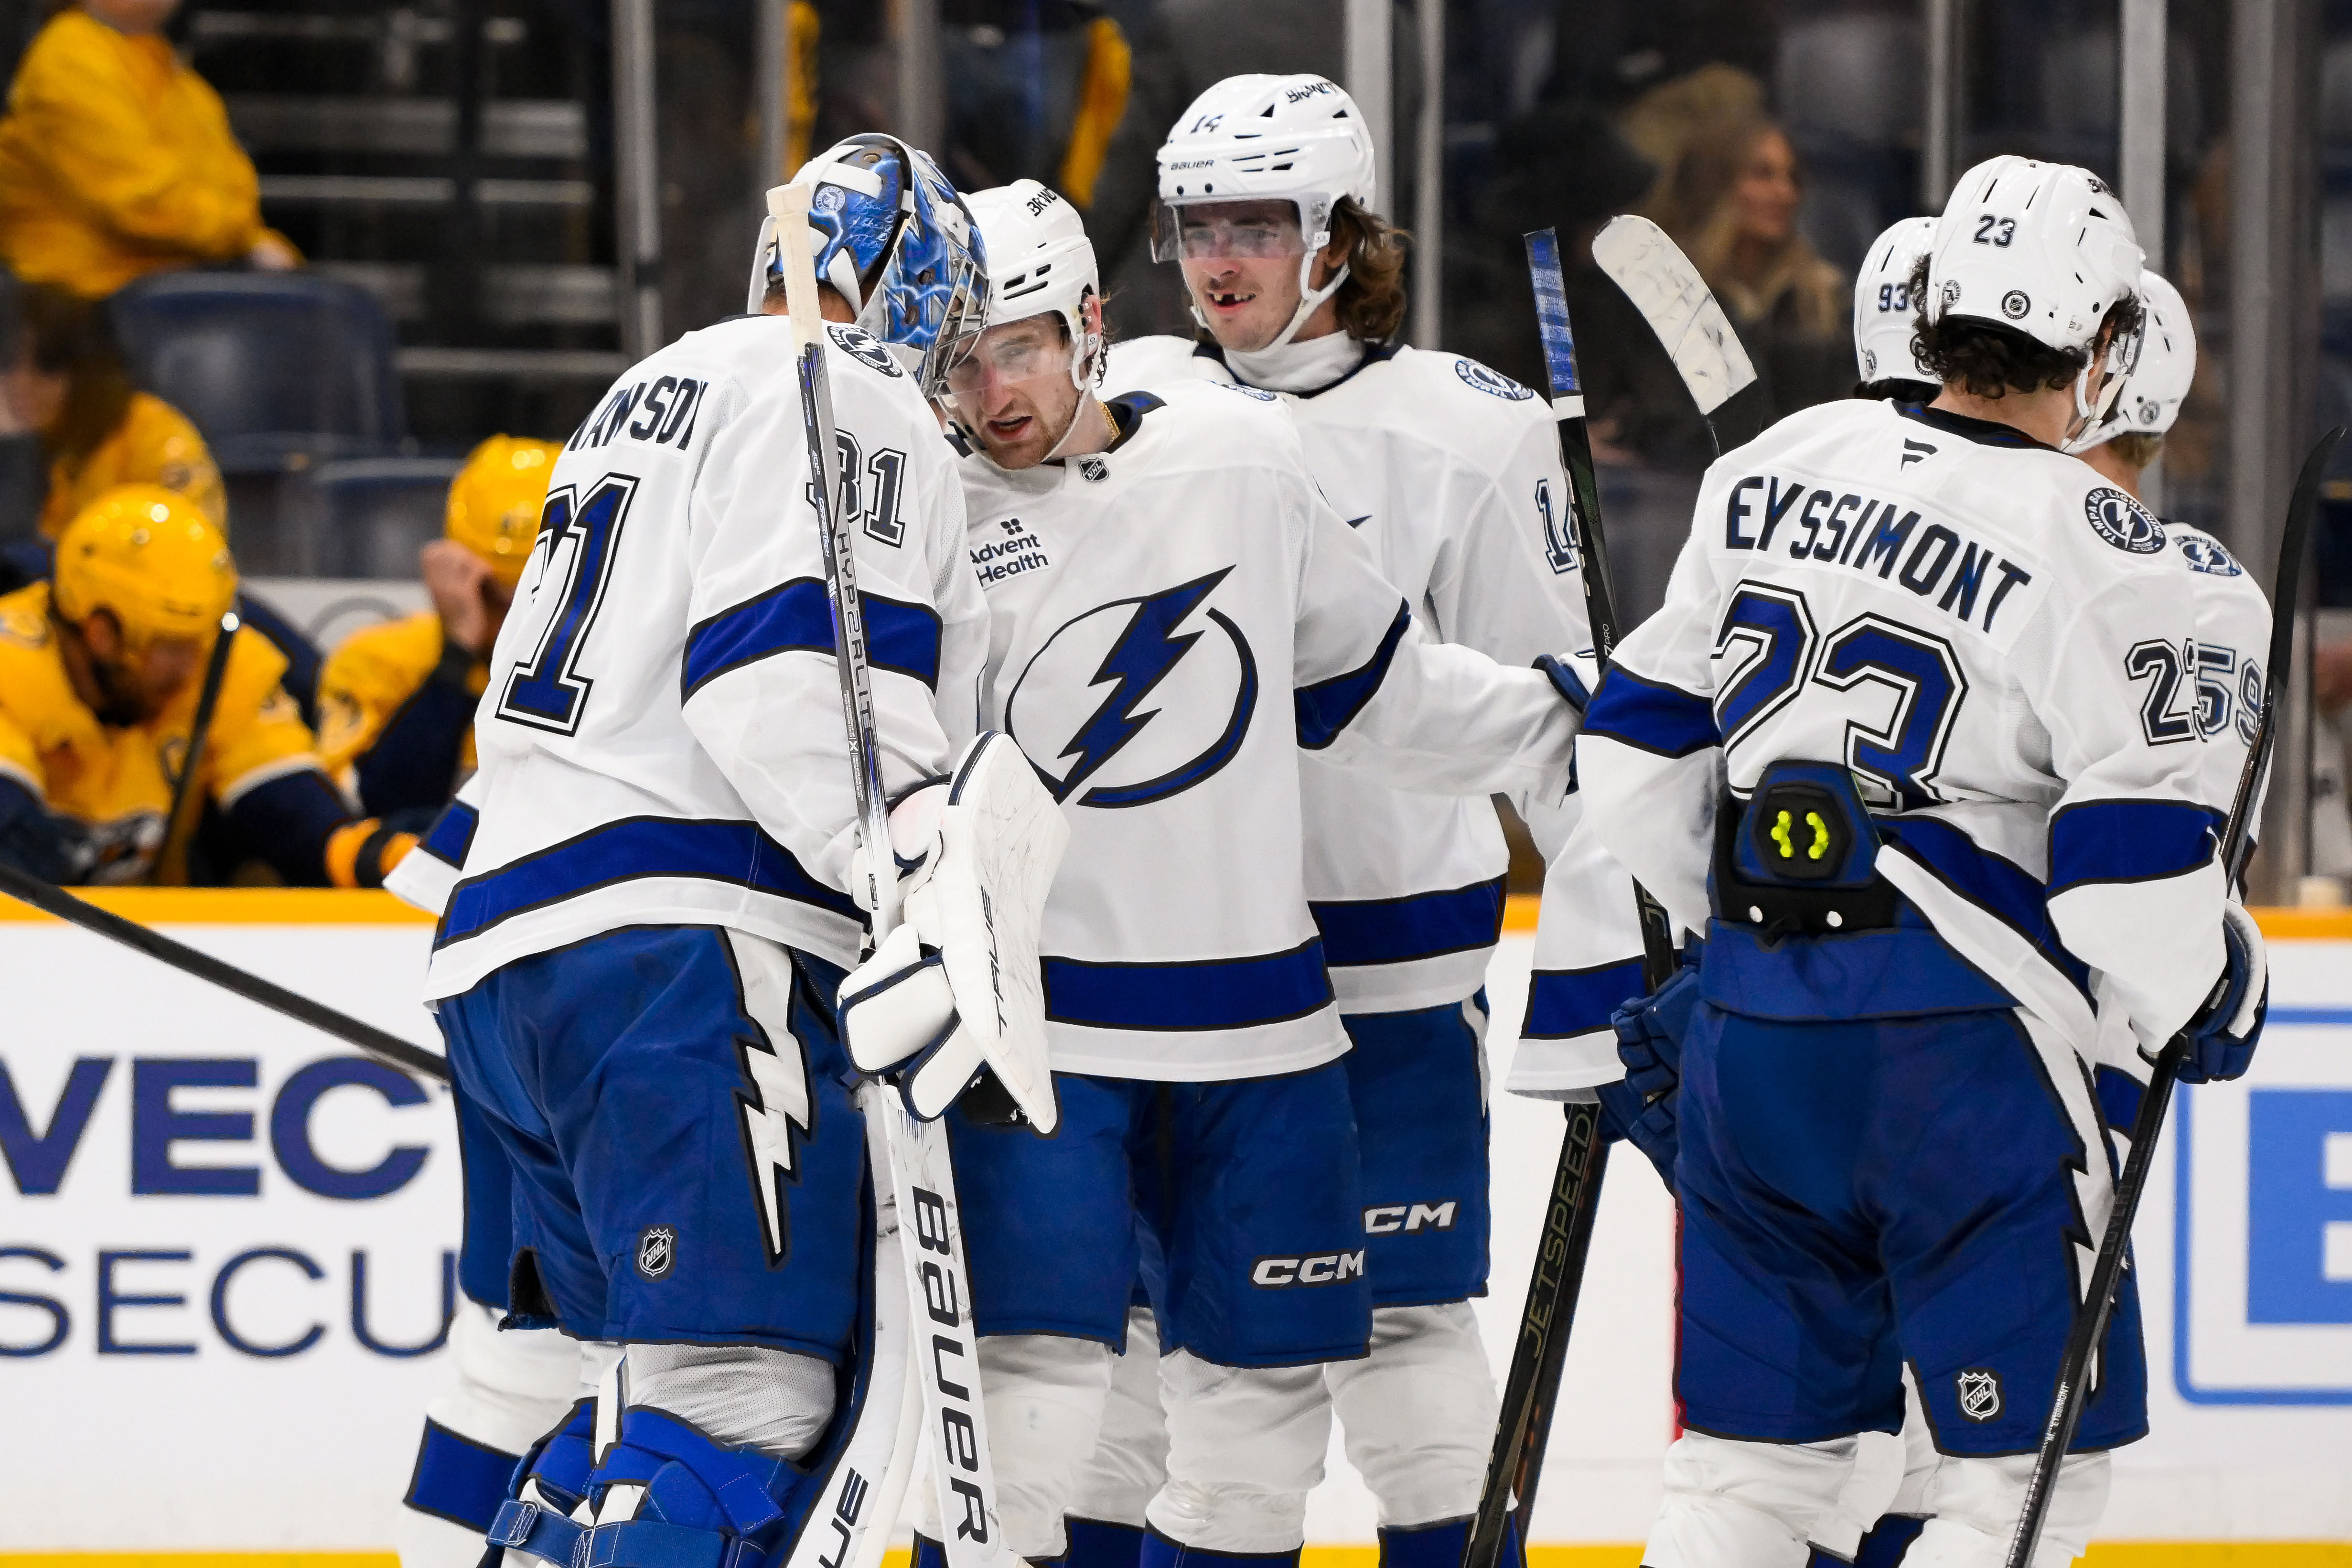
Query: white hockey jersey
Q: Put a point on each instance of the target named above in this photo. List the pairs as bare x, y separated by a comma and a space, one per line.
1999, 646
1171, 622
1450, 473
661, 740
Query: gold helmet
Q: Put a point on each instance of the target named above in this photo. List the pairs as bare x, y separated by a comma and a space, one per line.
494, 501
150, 556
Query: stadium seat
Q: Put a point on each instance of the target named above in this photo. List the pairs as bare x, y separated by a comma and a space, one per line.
367, 517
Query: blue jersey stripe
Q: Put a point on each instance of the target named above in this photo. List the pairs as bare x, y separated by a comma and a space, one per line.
630, 849
1651, 716
1220, 993
795, 617
1996, 886
1563, 1003
452, 833
1328, 707
2128, 841
1421, 925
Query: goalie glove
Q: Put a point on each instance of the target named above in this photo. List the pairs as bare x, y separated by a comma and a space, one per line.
956, 989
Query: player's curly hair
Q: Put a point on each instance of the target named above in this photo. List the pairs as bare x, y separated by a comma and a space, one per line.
1371, 303
1988, 360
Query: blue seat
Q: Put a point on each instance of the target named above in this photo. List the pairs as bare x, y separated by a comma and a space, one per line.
279, 370
367, 517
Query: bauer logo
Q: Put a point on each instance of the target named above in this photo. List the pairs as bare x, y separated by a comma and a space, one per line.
657, 1251
1979, 1392
1492, 383
1319, 1269
2122, 521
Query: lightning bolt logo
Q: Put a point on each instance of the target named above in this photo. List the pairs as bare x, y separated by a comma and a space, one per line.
774, 1111
1138, 662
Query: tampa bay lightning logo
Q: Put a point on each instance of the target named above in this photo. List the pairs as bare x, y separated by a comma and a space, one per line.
1492, 383
2204, 553
1137, 699
864, 347
2122, 521
1262, 397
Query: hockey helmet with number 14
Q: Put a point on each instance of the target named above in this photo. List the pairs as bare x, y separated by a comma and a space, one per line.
894, 239
2152, 396
2044, 250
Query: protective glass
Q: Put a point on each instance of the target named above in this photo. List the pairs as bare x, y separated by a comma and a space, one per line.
1037, 349
1257, 231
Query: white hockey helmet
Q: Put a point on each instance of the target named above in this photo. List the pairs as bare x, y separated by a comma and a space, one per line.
1039, 259
1884, 316
1298, 139
2151, 397
2044, 250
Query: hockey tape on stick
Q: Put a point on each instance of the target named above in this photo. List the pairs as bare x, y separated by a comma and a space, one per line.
387, 1048
1674, 300
2089, 1326
170, 859
930, 1226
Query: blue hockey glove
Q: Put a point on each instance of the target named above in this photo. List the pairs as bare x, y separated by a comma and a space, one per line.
1640, 1108
2222, 1036
1565, 679
53, 848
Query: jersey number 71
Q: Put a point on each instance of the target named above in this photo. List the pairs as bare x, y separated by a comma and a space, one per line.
548, 692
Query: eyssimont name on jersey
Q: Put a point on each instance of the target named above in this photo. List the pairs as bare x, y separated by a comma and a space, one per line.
1864, 534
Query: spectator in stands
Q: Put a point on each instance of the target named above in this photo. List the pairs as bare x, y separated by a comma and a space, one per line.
1728, 189
116, 160
397, 699
70, 383
100, 672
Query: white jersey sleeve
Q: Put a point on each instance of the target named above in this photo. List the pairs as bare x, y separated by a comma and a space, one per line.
1994, 643
427, 873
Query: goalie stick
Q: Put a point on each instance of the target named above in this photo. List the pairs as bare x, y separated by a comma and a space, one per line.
2098, 1305
1681, 313
1531, 1389
937, 1269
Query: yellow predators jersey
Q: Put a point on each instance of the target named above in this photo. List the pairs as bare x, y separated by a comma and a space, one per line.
116, 160
364, 682
154, 445
118, 782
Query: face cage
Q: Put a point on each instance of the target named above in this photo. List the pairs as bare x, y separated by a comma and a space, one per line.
2098, 422
1168, 238
898, 308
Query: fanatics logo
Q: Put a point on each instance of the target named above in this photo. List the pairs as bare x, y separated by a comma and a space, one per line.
657, 1251
2122, 521
1979, 1390
1492, 383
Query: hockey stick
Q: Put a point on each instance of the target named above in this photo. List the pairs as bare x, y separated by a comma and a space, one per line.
200, 729
1531, 1389
386, 1047
938, 1279
2091, 1314
1638, 256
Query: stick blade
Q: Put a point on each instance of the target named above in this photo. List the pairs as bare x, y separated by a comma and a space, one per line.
1682, 310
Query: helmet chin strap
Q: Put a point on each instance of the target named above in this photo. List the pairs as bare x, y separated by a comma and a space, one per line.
1084, 401
2091, 418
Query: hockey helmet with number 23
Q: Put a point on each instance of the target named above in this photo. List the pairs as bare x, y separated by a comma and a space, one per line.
1298, 139
2047, 251
894, 239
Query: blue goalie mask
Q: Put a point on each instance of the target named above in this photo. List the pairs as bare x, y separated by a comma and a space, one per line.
893, 237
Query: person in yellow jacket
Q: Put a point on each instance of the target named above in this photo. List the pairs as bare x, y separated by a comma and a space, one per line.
71, 385
396, 700
100, 674
116, 160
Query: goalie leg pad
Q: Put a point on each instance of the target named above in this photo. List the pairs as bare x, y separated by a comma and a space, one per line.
1246, 1445
506, 1390
1129, 1462
1734, 1504
1417, 1413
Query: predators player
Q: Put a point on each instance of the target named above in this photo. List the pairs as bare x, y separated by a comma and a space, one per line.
99, 670
396, 700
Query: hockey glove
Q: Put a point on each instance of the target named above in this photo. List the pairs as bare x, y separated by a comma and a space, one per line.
53, 849
2221, 1036
1640, 1108
1567, 682
956, 988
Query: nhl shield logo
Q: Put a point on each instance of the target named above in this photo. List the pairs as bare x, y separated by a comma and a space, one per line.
1093, 470
1979, 1390
657, 1251
2014, 304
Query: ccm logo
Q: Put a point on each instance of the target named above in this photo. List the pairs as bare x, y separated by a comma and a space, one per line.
1323, 1268
1391, 1218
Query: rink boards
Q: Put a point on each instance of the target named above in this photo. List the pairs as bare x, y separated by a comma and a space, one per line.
226, 1251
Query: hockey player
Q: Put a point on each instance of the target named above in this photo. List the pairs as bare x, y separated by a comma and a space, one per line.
100, 676
1450, 474
1885, 319
1157, 567
1911, 741
396, 700
636, 973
